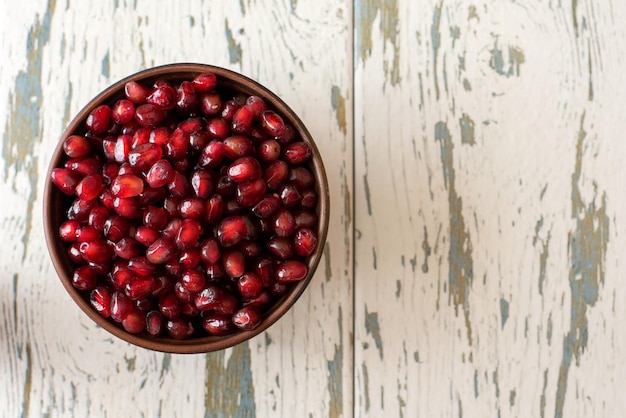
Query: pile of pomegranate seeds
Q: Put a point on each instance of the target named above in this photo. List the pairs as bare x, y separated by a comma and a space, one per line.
194, 211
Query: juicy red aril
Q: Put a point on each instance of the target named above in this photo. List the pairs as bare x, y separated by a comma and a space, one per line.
249, 285
272, 123
284, 223
169, 306
76, 146
289, 195
127, 207
116, 228
212, 154
268, 151
192, 208
210, 104
65, 180
188, 234
100, 299
142, 266
163, 97
214, 272
257, 104
247, 318
127, 185
140, 287
84, 278
108, 148
183, 294
99, 120
160, 135
121, 306
291, 271
120, 275
144, 156
193, 280
154, 323
123, 145
210, 251
148, 115
231, 230
161, 251
204, 82
136, 92
190, 258
127, 248
275, 174
242, 120
186, 99
80, 209
225, 186
238, 146
172, 228
155, 218
297, 153
96, 251
123, 111
160, 174
250, 192
178, 185
202, 183
288, 136
68, 230
309, 199
218, 324
234, 263
266, 207
199, 140
74, 253
146, 235
84, 166
244, 169
304, 242
305, 219
179, 328
134, 322
281, 247
86, 234
214, 209
229, 108
98, 217
191, 125
301, 177
217, 299
176, 148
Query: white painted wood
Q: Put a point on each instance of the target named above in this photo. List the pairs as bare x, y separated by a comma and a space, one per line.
56, 56
488, 204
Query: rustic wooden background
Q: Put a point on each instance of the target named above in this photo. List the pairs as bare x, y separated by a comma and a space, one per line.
474, 151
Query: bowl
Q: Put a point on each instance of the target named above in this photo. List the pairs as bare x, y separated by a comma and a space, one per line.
56, 204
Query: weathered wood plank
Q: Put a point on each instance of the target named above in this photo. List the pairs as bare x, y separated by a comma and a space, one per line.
487, 217
58, 54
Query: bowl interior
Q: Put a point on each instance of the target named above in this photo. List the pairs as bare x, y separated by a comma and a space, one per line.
56, 204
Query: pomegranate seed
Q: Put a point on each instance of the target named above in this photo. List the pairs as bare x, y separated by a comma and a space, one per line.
229, 108
130, 128
163, 97
100, 268
120, 275
204, 82
215, 272
276, 174
214, 298
242, 120
191, 125
309, 199
99, 120
214, 209
174, 269
148, 115
65, 180
176, 148
234, 263
225, 186
297, 153
202, 183
134, 322
121, 305
199, 140
80, 209
278, 289
135, 92
193, 280
154, 323
247, 318
140, 287
170, 205
155, 218
146, 235
210, 104
123, 111
74, 253
218, 128
122, 148
127, 248
142, 266
190, 258
291, 271
249, 285
84, 166
244, 169
160, 174
172, 228
97, 251
284, 223
179, 328
160, 135
178, 185
267, 206
305, 219
188, 234
144, 156
187, 100
192, 208
116, 228
87, 234
108, 148
288, 136
289, 195
84, 278
212, 154
76, 146
281, 247
231, 230
257, 105
68, 230
161, 251
182, 293
304, 241
151, 195
272, 123
163, 285
210, 251
268, 150
238, 146
169, 306
262, 301
127, 185
127, 207
232, 207
98, 217
251, 192
251, 249
100, 299
301, 177
218, 324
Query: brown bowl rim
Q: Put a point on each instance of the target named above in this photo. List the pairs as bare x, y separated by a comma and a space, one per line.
206, 344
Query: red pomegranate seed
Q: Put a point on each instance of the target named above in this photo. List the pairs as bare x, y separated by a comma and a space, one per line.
134, 322
238, 146
278, 289
176, 148
144, 156
214, 272
84, 166
190, 258
210, 104
163, 97
192, 125
218, 324
251, 249
202, 182
193, 280
229, 108
123, 145
212, 154
268, 151
163, 286
291, 271
297, 153
234, 263
151, 195
247, 318
68, 230
123, 111
170, 205
99, 120
204, 82
76, 146
305, 219
100, 268
127, 207
284, 223
100, 299
199, 140
288, 136
142, 266
276, 174
304, 242
214, 209
65, 180
244, 169
97, 251
155, 218
127, 248
125, 168
146, 235
249, 285
242, 120
192, 208
172, 228
267, 206
182, 293
121, 305
160, 174
130, 128
272, 123
154, 323
281, 247
261, 302
225, 186
109, 172
136, 92
127, 185
74, 253
232, 207
169, 306
309, 199
179, 328
161, 251
98, 217
250, 192
210, 251
188, 234
108, 148
257, 104
84, 278
160, 135
231, 230
116, 228
301, 177
86, 234
217, 299
289, 195
79, 209
218, 128
148, 115
178, 185
189, 310
140, 287
187, 100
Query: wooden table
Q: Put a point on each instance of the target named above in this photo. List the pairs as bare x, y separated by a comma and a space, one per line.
474, 151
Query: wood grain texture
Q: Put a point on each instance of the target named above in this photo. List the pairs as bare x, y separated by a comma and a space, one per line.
488, 208
57, 55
